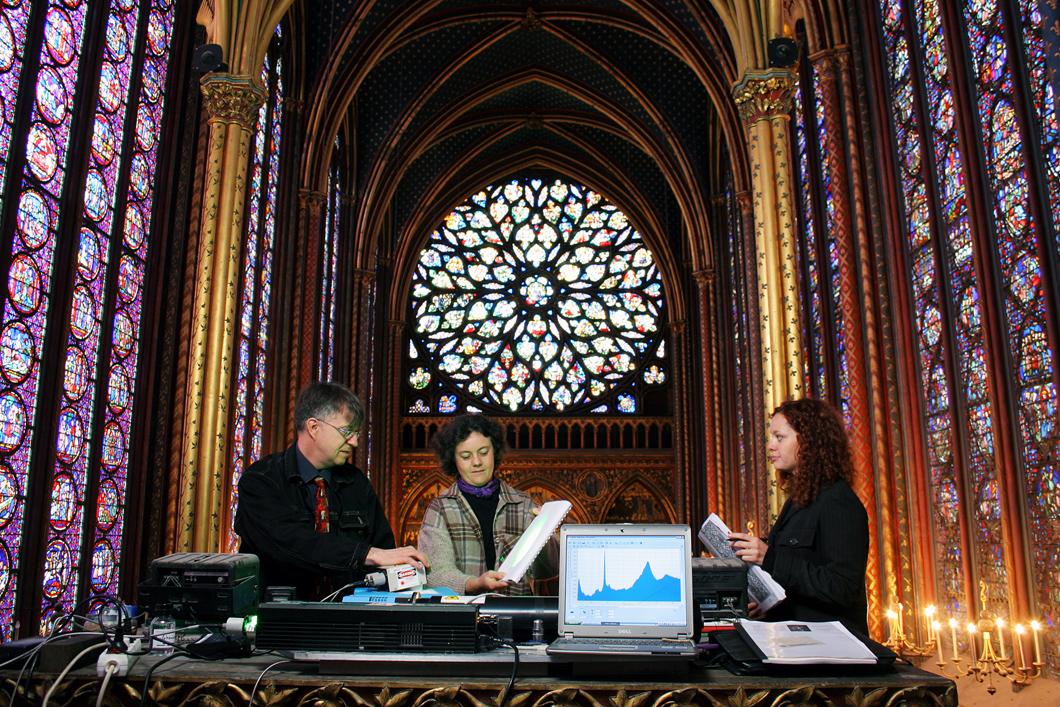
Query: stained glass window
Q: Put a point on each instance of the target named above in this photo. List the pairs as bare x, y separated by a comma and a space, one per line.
14, 21
815, 334
535, 295
96, 366
330, 265
256, 281
959, 383
933, 311
1018, 255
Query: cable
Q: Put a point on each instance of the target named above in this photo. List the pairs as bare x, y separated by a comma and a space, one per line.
150, 672
69, 666
31, 655
372, 579
515, 669
254, 690
111, 669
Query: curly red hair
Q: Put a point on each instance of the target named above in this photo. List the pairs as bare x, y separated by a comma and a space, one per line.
824, 450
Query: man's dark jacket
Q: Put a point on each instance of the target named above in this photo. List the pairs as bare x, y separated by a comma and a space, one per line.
819, 554
274, 521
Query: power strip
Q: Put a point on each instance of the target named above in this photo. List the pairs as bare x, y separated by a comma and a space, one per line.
121, 663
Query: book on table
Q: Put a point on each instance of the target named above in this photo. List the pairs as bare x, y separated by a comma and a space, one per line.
805, 642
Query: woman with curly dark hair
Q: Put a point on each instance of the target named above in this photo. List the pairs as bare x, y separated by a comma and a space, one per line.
818, 548
469, 527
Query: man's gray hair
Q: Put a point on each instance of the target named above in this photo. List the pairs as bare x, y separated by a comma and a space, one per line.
322, 399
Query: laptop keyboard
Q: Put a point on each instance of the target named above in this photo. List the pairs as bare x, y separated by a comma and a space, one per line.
632, 645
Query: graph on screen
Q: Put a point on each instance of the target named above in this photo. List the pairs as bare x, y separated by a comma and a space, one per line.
650, 585
614, 580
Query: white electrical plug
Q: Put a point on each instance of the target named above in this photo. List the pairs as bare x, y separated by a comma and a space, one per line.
120, 662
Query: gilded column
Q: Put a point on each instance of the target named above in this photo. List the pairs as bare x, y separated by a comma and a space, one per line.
874, 304
706, 282
232, 104
684, 504
757, 485
387, 487
361, 354
764, 99
854, 314
360, 322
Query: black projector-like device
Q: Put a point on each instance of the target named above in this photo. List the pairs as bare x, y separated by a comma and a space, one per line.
332, 628
197, 586
719, 587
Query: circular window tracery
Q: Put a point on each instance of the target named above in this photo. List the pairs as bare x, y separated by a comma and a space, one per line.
534, 296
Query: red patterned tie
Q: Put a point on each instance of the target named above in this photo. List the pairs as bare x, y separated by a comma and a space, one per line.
321, 510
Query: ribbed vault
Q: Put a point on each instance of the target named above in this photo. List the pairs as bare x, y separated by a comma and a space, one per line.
442, 97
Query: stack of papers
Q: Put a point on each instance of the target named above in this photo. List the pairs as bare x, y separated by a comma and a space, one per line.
806, 642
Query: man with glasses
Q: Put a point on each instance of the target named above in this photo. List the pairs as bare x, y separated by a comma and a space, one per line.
308, 513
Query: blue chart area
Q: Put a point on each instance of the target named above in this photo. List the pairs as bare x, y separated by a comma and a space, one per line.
645, 588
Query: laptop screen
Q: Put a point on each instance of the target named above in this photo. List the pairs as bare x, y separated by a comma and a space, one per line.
615, 577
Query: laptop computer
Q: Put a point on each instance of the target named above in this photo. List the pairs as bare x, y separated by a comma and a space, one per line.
625, 590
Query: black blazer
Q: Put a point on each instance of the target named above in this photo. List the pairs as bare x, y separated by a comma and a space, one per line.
274, 521
819, 554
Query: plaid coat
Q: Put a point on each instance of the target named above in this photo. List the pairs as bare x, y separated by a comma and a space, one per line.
452, 538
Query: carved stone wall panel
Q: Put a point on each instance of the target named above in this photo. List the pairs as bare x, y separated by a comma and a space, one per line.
602, 487
203, 686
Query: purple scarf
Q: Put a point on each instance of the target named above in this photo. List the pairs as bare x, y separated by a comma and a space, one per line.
480, 491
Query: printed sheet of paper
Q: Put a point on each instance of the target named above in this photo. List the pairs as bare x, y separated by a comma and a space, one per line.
761, 587
807, 642
529, 544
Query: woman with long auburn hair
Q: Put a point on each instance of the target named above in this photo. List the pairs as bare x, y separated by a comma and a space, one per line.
818, 548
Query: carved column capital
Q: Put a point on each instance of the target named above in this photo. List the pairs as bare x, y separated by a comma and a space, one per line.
825, 62
232, 99
293, 106
744, 202
761, 95
705, 277
311, 198
841, 52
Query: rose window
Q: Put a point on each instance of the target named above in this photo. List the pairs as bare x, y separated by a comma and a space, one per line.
534, 296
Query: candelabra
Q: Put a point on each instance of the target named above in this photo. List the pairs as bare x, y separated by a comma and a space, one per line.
904, 642
983, 661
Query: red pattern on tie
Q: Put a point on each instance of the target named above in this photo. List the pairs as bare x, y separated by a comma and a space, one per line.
320, 513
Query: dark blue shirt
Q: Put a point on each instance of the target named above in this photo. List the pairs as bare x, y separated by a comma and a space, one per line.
307, 471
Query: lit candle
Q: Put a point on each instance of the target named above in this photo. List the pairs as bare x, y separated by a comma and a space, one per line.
935, 626
953, 636
892, 620
929, 616
971, 640
1035, 628
901, 628
1018, 640
1001, 636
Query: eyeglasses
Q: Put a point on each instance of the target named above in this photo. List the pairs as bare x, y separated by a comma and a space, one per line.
346, 432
